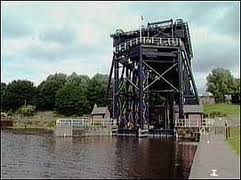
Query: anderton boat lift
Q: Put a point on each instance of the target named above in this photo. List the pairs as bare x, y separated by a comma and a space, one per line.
151, 89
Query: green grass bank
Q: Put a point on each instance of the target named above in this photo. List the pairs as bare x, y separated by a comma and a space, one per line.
229, 110
234, 140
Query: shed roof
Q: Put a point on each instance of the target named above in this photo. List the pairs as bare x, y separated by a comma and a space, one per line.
99, 110
207, 94
191, 108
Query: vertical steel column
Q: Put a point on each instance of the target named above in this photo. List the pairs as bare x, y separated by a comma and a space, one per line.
133, 98
172, 115
127, 95
147, 101
140, 76
116, 108
172, 28
168, 110
180, 72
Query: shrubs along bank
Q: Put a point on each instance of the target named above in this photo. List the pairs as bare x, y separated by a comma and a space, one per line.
222, 110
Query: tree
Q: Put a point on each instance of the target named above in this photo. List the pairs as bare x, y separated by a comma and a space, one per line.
220, 82
71, 100
80, 80
47, 91
60, 77
69, 95
3, 96
236, 87
17, 93
96, 90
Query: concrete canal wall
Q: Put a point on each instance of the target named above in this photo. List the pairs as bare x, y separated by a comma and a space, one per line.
80, 132
84, 127
63, 131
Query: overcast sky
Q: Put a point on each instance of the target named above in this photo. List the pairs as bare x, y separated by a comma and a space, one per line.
42, 38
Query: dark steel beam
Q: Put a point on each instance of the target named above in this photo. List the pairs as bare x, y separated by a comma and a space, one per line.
180, 72
188, 66
158, 54
116, 97
141, 89
110, 77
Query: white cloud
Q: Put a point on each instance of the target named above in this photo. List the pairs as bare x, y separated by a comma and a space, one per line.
89, 35
91, 23
40, 70
30, 46
14, 46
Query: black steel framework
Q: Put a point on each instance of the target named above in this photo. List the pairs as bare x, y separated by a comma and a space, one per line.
152, 73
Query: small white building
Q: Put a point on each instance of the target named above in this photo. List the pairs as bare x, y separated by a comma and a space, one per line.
100, 116
100, 112
207, 98
193, 114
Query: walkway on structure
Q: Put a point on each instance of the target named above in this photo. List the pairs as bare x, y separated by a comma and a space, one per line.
214, 158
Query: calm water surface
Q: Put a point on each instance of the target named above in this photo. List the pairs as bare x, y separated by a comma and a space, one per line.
47, 156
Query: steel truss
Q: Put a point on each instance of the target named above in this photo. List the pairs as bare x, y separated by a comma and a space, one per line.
156, 65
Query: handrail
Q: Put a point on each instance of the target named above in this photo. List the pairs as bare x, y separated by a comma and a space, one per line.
192, 123
175, 42
72, 122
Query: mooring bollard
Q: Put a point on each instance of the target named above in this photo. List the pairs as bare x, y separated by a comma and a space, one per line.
226, 130
229, 134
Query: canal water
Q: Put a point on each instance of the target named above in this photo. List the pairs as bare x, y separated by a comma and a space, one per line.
47, 156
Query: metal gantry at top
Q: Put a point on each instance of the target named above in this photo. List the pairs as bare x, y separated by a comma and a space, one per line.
151, 74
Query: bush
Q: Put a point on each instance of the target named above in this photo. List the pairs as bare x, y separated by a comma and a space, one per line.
51, 124
217, 114
10, 112
26, 111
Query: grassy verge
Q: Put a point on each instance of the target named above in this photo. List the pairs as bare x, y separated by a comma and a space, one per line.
42, 121
234, 140
229, 110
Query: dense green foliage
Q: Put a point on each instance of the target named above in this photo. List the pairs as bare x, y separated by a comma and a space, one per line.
71, 100
47, 91
96, 90
26, 110
16, 93
221, 82
3, 95
68, 95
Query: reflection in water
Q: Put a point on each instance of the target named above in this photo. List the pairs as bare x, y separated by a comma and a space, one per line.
46, 156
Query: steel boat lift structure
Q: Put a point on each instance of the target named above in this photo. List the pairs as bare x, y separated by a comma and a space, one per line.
152, 75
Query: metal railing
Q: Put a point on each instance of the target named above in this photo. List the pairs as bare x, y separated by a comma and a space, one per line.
193, 122
148, 40
83, 123
71, 123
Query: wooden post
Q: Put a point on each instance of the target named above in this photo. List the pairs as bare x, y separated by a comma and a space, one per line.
229, 135
226, 130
